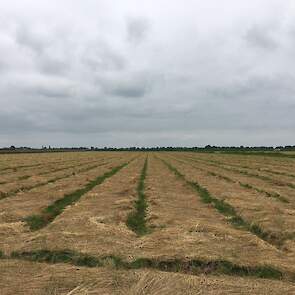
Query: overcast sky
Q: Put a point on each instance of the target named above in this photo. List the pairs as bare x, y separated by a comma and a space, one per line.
147, 73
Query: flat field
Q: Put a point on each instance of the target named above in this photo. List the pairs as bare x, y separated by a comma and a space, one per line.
147, 223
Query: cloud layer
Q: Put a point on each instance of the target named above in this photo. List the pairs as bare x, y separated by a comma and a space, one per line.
145, 74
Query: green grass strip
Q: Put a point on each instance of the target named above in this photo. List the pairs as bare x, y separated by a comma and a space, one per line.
195, 266
227, 210
136, 220
36, 222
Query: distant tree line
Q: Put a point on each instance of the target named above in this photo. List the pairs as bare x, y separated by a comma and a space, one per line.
207, 148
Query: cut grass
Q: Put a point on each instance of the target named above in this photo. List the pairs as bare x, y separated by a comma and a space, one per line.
24, 177
36, 222
101, 161
268, 194
276, 196
250, 168
14, 168
227, 210
136, 220
253, 153
27, 188
275, 172
221, 177
247, 173
196, 266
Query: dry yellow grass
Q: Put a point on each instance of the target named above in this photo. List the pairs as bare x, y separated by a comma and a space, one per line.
270, 214
182, 229
19, 278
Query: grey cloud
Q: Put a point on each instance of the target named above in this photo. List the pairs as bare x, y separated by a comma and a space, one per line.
20, 123
132, 86
29, 38
100, 58
263, 87
103, 78
53, 66
137, 29
54, 92
262, 37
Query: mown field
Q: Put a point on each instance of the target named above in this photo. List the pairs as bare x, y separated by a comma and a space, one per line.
147, 223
